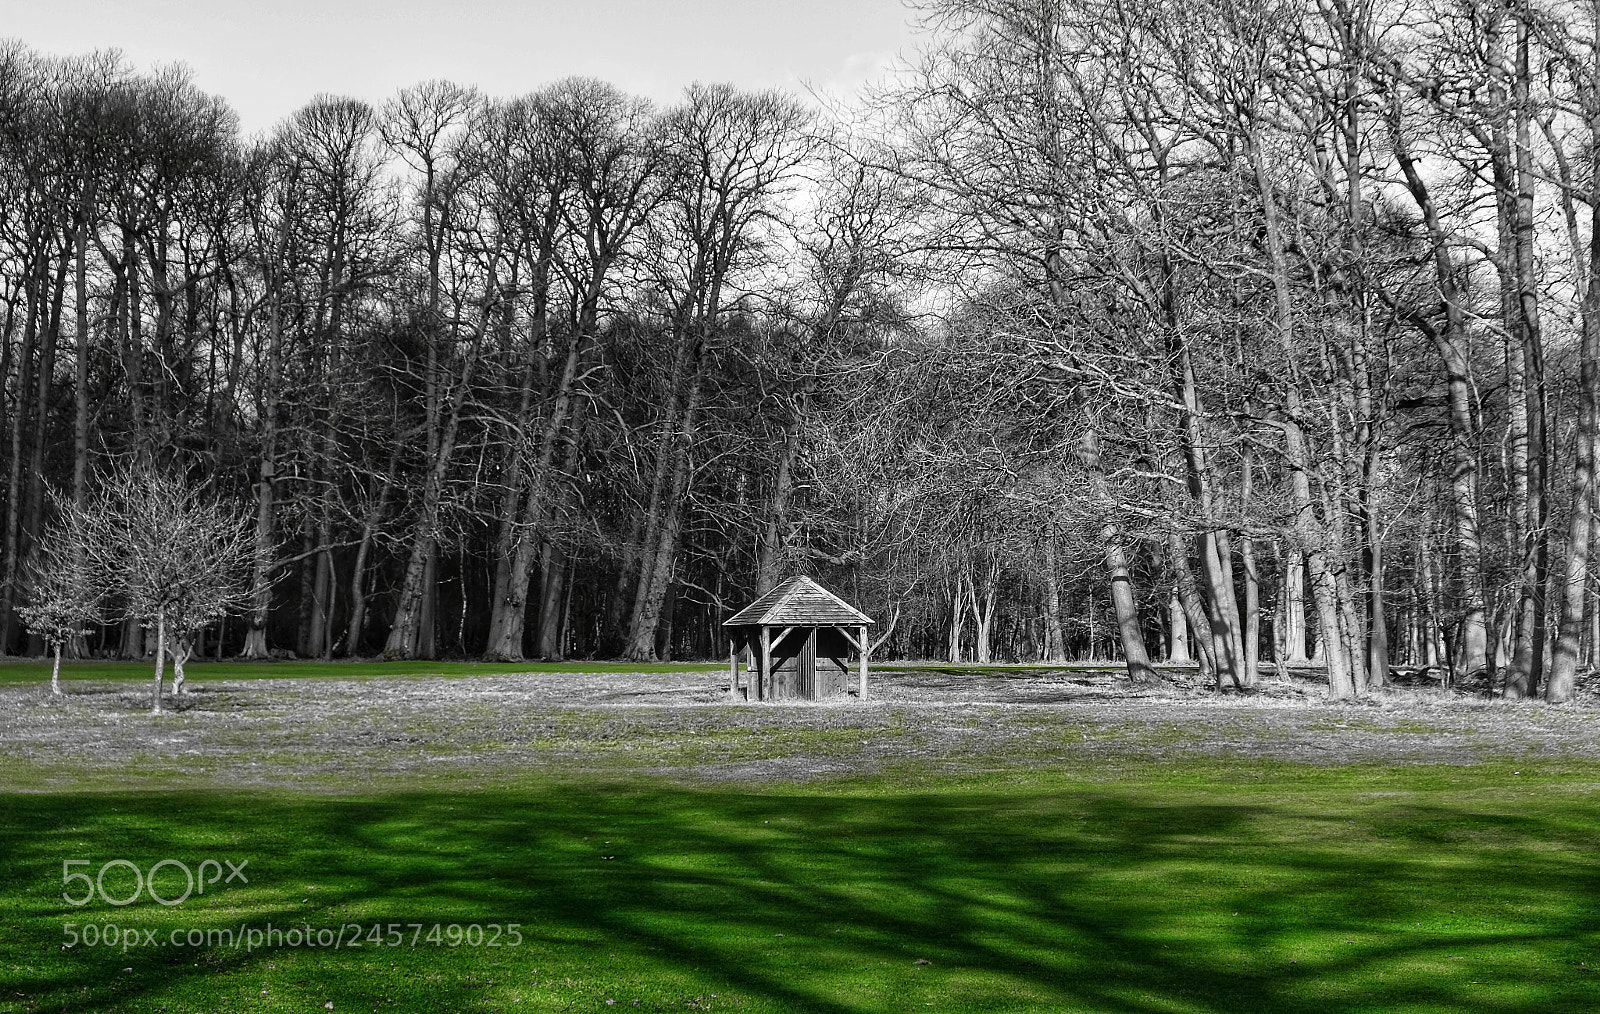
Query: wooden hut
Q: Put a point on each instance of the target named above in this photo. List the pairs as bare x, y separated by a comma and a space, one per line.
786, 632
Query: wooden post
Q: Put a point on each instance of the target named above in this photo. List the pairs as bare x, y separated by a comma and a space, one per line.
806, 665
764, 676
733, 666
861, 671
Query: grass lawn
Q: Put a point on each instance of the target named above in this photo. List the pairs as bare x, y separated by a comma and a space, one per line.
1122, 882
30, 670
38, 670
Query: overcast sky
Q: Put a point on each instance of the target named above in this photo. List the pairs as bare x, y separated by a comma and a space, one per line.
267, 57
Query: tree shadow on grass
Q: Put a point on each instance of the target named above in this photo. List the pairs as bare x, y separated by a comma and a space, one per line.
1106, 900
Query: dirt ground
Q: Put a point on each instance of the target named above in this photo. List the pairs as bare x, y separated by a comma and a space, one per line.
369, 734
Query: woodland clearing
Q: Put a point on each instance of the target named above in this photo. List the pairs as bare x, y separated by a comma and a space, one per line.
679, 724
1000, 840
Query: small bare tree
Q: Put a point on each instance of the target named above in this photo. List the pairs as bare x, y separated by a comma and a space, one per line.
63, 594
175, 557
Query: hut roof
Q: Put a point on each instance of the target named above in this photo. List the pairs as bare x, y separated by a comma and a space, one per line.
798, 601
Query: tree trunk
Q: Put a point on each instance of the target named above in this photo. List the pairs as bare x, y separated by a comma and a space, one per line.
503, 644
1294, 606
508, 612
509, 616
161, 662
1123, 601
1252, 612
1580, 522
552, 601
305, 603
1222, 613
1056, 648
1340, 683
1125, 606
983, 616
1376, 603
769, 549
49, 339
132, 640
1194, 612
255, 636
1221, 608
1177, 632
661, 559
320, 641
405, 632
958, 619
1511, 176
180, 654
358, 571
80, 401
412, 633
1450, 338
1352, 628
428, 621
14, 520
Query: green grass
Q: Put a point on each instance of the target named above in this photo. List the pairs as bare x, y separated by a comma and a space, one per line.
1004, 669
38, 671
1134, 887
1358, 724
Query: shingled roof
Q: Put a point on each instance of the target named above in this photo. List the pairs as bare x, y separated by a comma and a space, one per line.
798, 602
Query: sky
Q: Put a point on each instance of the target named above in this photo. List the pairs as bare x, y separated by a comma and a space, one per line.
268, 57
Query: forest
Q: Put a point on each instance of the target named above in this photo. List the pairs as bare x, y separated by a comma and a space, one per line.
1229, 332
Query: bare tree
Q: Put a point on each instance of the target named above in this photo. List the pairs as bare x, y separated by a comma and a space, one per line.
736, 153
423, 126
173, 556
62, 591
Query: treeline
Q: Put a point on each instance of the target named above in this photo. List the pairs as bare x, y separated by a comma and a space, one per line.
1294, 308
1238, 332
548, 375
